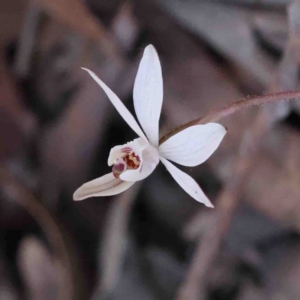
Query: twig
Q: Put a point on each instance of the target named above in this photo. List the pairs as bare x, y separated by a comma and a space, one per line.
207, 249
194, 286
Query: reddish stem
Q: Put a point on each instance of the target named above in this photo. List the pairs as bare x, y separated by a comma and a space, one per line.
232, 108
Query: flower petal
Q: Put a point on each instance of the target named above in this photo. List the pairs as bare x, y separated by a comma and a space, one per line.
148, 94
187, 183
149, 160
106, 185
194, 145
120, 107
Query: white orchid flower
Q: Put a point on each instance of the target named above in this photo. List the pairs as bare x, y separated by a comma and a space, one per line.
136, 160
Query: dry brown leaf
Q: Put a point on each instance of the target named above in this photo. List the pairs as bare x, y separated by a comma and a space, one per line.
217, 24
75, 14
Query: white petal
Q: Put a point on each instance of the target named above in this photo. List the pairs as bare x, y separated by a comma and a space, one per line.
120, 107
194, 145
106, 185
187, 183
149, 160
148, 93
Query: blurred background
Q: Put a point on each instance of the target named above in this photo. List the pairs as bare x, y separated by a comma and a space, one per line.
153, 241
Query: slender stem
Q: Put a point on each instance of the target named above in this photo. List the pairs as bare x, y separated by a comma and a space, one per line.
216, 115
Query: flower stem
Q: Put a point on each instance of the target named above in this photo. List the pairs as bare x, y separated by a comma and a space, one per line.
216, 115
